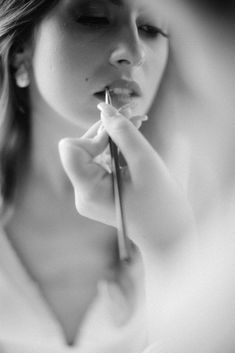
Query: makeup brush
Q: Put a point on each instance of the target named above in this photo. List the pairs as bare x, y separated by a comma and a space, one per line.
117, 190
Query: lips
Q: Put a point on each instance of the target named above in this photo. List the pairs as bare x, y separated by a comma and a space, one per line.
121, 91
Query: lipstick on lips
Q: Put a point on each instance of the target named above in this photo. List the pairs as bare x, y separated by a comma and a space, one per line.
123, 87
121, 91
117, 190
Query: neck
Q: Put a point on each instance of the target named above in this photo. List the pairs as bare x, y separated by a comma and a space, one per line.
45, 161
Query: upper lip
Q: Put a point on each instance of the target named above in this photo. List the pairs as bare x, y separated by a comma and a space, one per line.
132, 86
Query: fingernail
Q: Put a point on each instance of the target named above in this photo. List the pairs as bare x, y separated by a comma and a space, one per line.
145, 118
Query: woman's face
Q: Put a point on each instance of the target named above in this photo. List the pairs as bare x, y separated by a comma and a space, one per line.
84, 46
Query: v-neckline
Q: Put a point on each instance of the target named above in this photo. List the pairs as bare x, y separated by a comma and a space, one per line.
22, 282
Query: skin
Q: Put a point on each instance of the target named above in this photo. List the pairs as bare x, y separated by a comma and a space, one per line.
64, 77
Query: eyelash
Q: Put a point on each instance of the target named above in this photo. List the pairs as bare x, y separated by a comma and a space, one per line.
93, 21
151, 32
96, 22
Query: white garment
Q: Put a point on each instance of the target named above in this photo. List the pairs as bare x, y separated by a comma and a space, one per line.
28, 326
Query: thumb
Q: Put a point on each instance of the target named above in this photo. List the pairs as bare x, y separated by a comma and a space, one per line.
130, 141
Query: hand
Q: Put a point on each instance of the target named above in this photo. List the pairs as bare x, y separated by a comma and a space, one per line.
157, 214
156, 211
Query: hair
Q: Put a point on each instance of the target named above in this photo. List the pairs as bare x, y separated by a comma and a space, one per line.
18, 19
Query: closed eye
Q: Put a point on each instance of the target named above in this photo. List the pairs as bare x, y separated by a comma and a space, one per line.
151, 32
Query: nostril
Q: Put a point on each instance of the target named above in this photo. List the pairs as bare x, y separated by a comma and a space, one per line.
124, 61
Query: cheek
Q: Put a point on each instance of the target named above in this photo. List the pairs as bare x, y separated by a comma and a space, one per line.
60, 71
158, 57
156, 61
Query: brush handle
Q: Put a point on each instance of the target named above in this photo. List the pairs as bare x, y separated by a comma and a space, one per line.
117, 190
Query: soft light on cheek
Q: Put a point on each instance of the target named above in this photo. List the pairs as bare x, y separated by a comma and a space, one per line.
156, 61
48, 53
158, 58
47, 77
159, 51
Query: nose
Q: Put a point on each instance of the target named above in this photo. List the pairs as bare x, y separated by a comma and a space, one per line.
128, 50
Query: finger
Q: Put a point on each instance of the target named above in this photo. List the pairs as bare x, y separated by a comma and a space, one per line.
131, 142
92, 184
93, 146
138, 120
93, 130
77, 161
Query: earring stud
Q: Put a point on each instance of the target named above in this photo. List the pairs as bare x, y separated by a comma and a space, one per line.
22, 77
